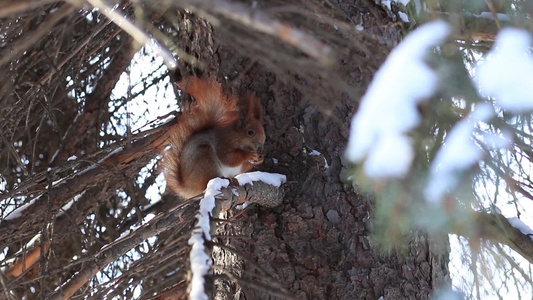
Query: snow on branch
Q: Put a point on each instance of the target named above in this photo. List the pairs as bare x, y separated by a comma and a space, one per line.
508, 70
388, 110
273, 179
199, 258
259, 187
17, 213
200, 261
458, 153
498, 229
506, 76
520, 225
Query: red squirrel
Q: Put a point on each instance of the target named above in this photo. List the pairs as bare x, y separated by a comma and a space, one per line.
219, 136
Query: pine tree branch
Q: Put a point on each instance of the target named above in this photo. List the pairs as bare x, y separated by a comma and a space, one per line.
112, 252
128, 161
96, 103
29, 39
496, 228
174, 219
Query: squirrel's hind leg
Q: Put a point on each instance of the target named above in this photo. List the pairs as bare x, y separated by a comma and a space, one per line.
196, 168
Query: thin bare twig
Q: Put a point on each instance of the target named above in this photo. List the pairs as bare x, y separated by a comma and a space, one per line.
109, 253
18, 6
30, 39
137, 33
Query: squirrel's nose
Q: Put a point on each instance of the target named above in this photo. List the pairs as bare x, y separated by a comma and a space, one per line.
259, 148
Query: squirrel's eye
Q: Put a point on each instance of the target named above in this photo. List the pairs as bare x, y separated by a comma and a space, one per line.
251, 133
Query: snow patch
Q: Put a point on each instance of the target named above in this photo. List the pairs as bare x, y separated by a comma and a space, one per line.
269, 178
17, 213
314, 153
387, 3
392, 155
403, 16
388, 110
200, 261
506, 74
490, 16
518, 224
458, 153
67, 206
317, 153
243, 206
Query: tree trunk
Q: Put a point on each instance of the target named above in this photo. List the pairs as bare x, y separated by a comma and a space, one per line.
316, 244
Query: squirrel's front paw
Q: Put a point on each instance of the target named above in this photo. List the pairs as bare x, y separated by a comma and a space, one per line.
256, 158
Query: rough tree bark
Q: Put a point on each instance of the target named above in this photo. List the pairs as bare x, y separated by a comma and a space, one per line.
317, 242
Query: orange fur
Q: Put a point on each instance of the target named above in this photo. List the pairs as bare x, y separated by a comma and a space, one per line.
217, 137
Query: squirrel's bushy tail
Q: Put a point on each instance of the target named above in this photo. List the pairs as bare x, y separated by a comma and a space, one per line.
212, 109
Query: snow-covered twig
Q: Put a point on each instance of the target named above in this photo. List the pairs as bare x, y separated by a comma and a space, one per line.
200, 260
